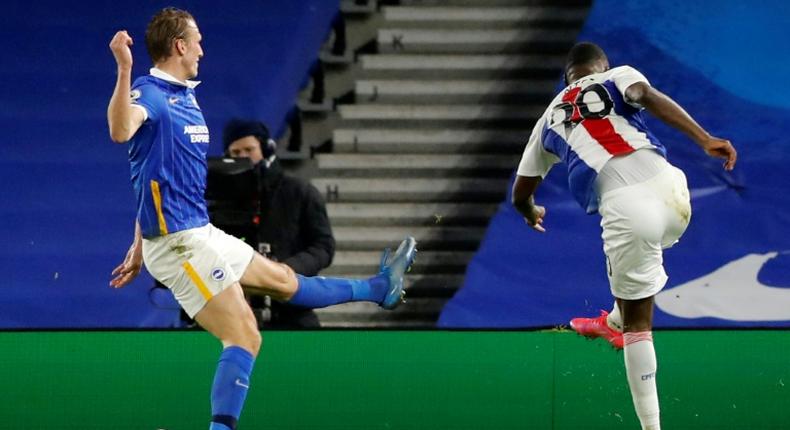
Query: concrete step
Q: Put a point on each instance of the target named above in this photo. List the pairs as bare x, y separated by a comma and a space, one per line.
377, 140
416, 312
362, 264
422, 165
454, 91
489, 41
491, 16
308, 107
428, 238
348, 190
332, 60
426, 214
354, 8
466, 116
438, 67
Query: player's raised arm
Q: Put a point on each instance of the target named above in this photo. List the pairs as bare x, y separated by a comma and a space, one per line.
668, 111
121, 117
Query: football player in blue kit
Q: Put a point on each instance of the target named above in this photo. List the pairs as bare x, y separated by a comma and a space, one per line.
158, 115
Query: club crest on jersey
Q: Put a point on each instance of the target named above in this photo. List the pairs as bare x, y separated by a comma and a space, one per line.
217, 274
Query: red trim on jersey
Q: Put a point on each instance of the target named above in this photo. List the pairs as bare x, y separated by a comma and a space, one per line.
570, 97
602, 130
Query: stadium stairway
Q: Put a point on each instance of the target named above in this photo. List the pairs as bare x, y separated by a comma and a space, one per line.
440, 113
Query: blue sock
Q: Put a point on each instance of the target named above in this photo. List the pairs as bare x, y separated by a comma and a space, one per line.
231, 382
372, 290
318, 292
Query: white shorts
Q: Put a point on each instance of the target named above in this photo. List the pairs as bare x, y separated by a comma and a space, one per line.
196, 264
638, 222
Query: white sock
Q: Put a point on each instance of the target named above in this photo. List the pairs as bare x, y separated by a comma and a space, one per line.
615, 320
640, 368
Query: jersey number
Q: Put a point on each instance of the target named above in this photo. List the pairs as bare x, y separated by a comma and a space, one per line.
574, 109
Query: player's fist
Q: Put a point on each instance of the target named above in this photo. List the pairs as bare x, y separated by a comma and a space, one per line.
720, 148
534, 218
119, 45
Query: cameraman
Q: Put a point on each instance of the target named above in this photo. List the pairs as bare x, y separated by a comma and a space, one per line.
294, 227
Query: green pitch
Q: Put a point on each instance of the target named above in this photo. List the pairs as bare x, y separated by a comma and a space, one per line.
391, 380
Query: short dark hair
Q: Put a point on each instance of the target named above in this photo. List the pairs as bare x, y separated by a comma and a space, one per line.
166, 26
584, 53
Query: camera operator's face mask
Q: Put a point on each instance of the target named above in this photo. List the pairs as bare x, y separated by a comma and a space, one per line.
246, 147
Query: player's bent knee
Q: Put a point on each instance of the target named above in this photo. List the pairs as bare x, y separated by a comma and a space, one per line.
254, 340
284, 282
290, 283
228, 317
246, 336
249, 333
284, 275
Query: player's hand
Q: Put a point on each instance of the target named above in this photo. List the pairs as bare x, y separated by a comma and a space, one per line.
130, 268
720, 148
119, 45
534, 218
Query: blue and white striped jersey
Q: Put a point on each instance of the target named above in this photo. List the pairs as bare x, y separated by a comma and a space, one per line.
587, 124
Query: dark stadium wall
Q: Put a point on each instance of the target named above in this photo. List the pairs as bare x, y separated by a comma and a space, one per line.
722, 61
67, 208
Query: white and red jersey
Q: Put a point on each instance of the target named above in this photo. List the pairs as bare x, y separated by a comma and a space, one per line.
586, 124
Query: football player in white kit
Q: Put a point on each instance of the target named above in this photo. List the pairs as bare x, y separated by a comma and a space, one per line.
617, 167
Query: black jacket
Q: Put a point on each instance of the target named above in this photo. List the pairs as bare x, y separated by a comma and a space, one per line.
293, 221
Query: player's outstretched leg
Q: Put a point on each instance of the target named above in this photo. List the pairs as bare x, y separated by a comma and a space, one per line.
608, 326
640, 360
281, 283
386, 288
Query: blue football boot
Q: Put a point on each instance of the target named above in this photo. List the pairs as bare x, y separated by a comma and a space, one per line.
394, 267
